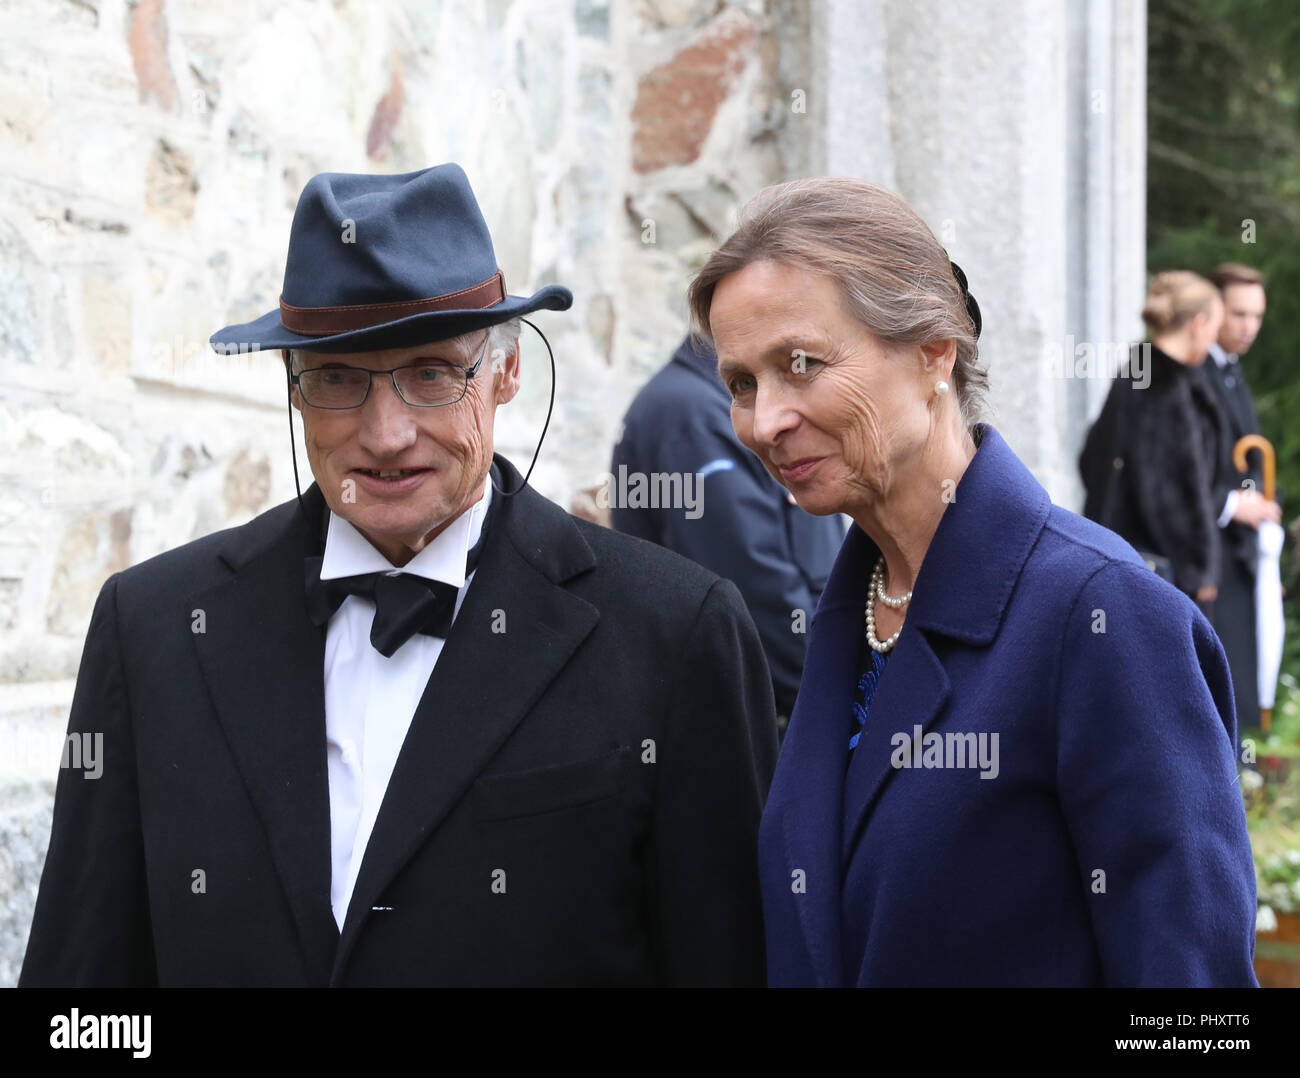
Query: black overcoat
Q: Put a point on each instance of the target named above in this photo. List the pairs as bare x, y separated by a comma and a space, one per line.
1234, 609
576, 802
1157, 466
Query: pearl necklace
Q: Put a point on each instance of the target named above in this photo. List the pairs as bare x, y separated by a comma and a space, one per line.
876, 590
878, 579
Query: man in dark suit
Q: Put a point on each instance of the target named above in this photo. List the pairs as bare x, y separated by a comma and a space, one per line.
1243, 510
311, 775
741, 523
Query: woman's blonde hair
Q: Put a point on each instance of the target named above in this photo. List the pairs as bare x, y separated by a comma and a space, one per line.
892, 273
1175, 298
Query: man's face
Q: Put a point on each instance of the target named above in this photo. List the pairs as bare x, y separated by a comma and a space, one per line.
1243, 314
448, 449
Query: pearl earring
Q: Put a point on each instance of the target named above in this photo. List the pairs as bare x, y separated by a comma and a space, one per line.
941, 387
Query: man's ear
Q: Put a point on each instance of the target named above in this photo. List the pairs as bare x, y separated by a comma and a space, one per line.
294, 397
505, 373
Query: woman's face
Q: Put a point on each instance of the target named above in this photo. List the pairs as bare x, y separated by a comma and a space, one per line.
833, 412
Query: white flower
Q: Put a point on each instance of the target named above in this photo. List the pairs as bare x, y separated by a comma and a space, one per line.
1292, 856
1265, 919
1251, 780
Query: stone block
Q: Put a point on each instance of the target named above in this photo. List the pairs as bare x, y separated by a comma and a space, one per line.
148, 44
92, 547
171, 184
676, 102
26, 810
388, 110
246, 485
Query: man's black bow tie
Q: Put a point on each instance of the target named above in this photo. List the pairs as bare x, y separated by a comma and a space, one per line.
405, 604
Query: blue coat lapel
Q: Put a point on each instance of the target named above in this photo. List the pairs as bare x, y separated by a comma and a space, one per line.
962, 591
809, 784
911, 693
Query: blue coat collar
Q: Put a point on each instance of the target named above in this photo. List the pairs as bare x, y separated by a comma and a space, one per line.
975, 557
962, 590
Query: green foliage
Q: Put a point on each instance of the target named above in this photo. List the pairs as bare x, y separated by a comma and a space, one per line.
1283, 737
1277, 866
1272, 799
1273, 817
1223, 84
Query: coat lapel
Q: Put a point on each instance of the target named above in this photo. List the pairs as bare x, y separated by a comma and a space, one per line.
911, 694
964, 585
808, 789
965, 582
823, 807
484, 683
263, 662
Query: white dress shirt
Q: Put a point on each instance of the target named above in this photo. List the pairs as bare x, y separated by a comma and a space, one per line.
1220, 357
369, 699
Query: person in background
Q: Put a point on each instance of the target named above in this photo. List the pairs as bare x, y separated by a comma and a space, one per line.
1245, 507
1157, 463
746, 528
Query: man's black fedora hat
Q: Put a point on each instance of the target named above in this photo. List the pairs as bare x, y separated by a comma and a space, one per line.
386, 262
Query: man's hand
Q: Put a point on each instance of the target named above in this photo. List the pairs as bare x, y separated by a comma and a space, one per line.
1207, 594
1253, 509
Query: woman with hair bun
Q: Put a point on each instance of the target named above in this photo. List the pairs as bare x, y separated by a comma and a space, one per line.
1157, 463
1011, 761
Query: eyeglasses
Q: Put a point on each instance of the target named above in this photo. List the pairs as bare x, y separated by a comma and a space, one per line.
431, 383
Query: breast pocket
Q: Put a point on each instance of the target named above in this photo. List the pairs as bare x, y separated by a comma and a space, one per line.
549, 789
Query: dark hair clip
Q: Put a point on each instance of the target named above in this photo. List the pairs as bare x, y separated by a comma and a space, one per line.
972, 308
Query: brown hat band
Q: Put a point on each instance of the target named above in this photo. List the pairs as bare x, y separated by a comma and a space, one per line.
322, 321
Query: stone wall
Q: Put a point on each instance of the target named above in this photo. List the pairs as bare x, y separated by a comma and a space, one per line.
151, 154
1017, 130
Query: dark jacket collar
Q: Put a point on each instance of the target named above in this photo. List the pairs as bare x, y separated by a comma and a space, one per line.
263, 664
700, 359
972, 564
1165, 370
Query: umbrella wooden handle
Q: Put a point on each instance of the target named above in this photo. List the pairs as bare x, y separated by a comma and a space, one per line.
1257, 441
